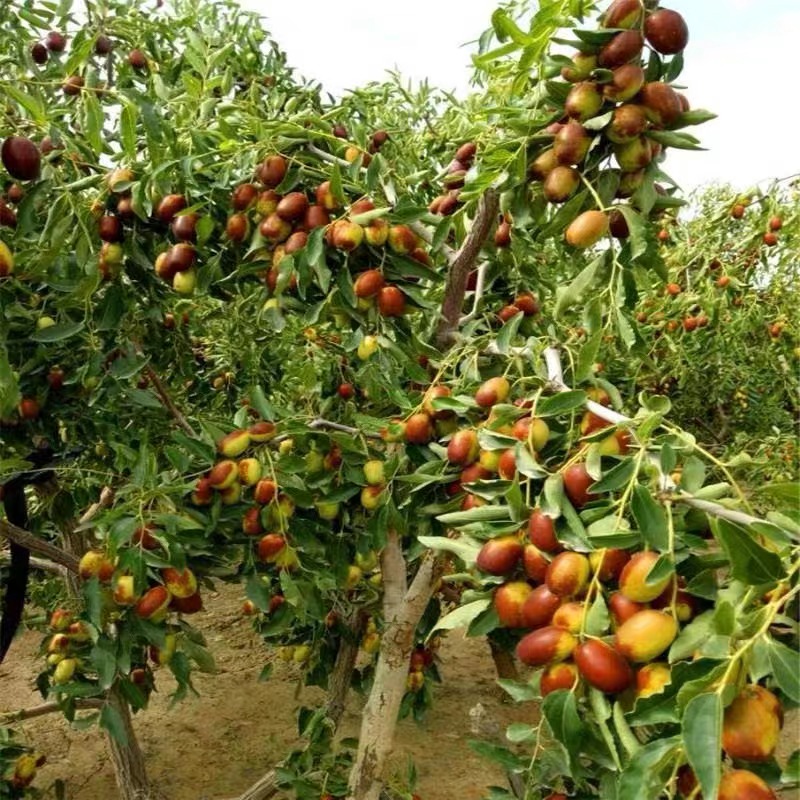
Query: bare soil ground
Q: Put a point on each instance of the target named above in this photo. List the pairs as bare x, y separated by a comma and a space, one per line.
215, 745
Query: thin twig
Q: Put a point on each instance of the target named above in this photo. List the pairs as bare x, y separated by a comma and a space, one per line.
327, 424
33, 543
461, 266
106, 499
168, 402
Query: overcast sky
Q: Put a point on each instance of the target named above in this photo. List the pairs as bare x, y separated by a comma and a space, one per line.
741, 63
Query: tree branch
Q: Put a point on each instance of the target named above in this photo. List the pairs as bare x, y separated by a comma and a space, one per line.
168, 402
480, 285
48, 708
105, 501
35, 544
326, 424
461, 265
37, 563
331, 159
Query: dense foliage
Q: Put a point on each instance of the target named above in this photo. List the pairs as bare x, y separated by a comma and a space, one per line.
241, 306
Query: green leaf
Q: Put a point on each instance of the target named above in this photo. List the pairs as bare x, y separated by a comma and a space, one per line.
702, 739
568, 296
57, 333
519, 732
618, 476
507, 334
650, 519
463, 615
637, 228
750, 562
480, 514
598, 620
505, 28
560, 709
104, 661
561, 403
518, 691
647, 773
680, 141
784, 663
127, 128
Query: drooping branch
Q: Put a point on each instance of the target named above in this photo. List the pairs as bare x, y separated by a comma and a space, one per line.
462, 264
35, 544
82, 704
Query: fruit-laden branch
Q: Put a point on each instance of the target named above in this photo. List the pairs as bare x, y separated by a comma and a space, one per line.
462, 264
168, 402
33, 543
38, 563
81, 704
555, 375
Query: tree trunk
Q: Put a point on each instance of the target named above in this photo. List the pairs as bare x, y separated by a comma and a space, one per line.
504, 663
342, 674
403, 609
130, 772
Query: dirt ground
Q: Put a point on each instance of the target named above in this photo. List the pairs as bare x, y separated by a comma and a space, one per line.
214, 746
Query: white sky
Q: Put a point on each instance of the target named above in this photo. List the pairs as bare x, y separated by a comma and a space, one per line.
741, 63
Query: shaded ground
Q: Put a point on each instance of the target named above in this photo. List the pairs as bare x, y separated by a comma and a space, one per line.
214, 746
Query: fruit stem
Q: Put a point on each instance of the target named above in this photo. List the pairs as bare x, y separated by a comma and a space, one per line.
593, 192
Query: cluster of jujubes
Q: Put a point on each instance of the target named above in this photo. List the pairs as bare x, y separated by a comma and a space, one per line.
284, 224
612, 111
447, 203
133, 588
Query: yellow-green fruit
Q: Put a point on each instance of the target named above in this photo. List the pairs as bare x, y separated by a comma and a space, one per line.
540, 433
367, 347
286, 447
367, 561
233, 444
371, 643
315, 461
64, 670
646, 635
286, 653
374, 472
6, 260
249, 471
185, 282
633, 578
44, 322
302, 652
232, 495
587, 229
652, 678
327, 511
353, 577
